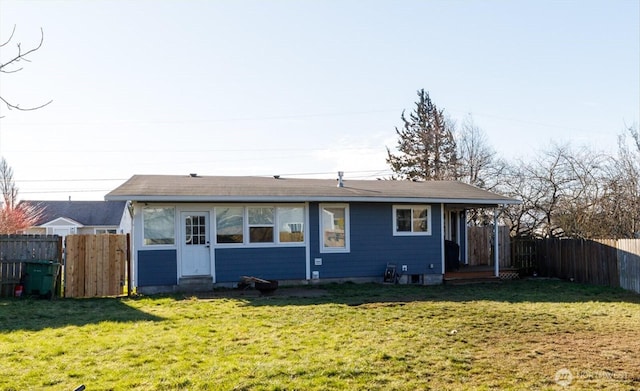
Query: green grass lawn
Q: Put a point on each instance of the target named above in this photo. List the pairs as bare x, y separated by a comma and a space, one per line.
522, 335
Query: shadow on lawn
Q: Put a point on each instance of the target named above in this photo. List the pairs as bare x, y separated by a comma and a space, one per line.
521, 291
34, 315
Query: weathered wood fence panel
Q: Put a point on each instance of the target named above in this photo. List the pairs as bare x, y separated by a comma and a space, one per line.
16, 249
480, 242
629, 264
30, 247
587, 261
609, 262
524, 255
96, 265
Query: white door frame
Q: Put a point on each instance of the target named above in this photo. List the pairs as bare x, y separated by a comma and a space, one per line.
195, 246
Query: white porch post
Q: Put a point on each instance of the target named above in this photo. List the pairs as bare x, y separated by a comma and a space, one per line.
442, 236
496, 256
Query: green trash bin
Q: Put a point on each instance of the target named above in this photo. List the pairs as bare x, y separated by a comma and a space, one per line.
40, 278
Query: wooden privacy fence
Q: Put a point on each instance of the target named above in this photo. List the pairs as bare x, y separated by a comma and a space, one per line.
96, 265
629, 264
17, 249
480, 242
602, 262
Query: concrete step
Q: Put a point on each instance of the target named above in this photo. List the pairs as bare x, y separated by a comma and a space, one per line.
196, 284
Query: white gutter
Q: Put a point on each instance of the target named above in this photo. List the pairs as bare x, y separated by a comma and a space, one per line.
302, 198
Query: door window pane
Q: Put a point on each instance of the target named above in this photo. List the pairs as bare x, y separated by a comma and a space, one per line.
195, 230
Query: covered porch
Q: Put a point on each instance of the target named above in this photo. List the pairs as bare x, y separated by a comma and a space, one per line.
476, 253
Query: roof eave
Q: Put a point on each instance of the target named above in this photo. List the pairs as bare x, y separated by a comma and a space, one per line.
208, 198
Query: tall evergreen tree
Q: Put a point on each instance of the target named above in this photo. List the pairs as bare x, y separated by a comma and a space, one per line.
426, 145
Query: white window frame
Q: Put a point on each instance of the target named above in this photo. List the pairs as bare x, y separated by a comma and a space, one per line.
246, 240
347, 229
411, 233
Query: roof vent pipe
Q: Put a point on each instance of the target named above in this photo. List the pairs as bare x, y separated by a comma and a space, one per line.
340, 175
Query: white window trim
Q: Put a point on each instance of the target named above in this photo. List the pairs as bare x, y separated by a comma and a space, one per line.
411, 233
347, 229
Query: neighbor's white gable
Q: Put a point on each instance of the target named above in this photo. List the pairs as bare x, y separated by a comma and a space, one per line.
62, 222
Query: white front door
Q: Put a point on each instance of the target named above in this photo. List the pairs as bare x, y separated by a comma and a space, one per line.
196, 255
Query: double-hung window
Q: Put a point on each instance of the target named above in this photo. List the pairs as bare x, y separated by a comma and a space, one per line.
261, 224
411, 220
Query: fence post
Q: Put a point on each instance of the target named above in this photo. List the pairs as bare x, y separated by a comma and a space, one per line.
128, 258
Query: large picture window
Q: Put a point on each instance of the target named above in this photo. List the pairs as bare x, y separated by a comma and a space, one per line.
229, 225
158, 226
291, 224
411, 220
334, 228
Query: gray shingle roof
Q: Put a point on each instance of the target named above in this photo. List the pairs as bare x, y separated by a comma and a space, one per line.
88, 213
260, 189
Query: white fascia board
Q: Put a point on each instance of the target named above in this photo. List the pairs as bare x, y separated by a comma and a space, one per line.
309, 199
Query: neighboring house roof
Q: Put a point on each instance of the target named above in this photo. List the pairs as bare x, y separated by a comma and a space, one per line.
87, 213
189, 188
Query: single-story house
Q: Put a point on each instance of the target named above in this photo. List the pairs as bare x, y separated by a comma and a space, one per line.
216, 229
80, 217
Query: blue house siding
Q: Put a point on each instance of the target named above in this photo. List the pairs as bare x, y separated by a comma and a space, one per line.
157, 267
373, 245
281, 263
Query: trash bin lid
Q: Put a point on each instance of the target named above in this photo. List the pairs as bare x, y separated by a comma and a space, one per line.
42, 262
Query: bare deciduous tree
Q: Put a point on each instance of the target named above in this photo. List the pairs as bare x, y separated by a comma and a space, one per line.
623, 188
7, 185
477, 160
14, 217
562, 192
14, 63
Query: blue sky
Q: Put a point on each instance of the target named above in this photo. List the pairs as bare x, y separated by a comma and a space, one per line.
302, 88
